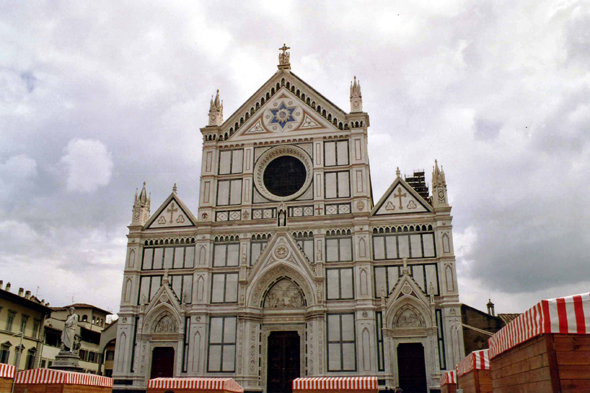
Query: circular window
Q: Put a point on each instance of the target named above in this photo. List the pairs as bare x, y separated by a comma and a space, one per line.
283, 173
284, 176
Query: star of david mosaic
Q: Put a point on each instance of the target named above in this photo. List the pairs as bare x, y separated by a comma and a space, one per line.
282, 115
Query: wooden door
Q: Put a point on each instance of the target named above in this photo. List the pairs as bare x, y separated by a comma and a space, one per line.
283, 361
163, 362
411, 368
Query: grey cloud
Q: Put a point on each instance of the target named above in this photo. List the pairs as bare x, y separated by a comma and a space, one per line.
139, 78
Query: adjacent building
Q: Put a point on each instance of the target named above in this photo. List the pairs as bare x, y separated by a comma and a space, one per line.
289, 267
22, 316
92, 321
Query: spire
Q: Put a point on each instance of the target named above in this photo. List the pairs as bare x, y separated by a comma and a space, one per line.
216, 110
143, 197
141, 207
356, 99
284, 58
439, 187
491, 310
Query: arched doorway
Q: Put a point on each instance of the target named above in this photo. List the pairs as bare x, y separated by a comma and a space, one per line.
162, 362
283, 328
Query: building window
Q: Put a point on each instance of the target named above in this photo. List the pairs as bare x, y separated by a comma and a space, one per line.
339, 246
30, 362
441, 340
380, 351
337, 184
226, 254
110, 355
305, 242
148, 286
182, 286
341, 342
336, 153
340, 284
224, 288
419, 245
23, 323
222, 344
36, 324
230, 161
424, 274
257, 246
229, 192
10, 320
4, 352
158, 258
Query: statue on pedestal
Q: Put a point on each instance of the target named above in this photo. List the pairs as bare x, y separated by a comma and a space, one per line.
68, 336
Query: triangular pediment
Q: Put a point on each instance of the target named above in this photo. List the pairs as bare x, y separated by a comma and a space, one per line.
285, 104
173, 213
164, 296
401, 198
282, 249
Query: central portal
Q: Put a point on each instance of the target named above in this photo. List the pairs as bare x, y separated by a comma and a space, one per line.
283, 361
412, 371
163, 362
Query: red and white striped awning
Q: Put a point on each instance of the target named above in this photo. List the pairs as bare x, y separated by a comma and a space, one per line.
448, 377
564, 315
7, 371
196, 384
476, 360
45, 376
331, 383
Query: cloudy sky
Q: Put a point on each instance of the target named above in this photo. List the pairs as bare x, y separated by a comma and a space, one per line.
96, 97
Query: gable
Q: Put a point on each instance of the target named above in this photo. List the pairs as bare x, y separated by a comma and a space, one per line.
401, 199
283, 114
172, 214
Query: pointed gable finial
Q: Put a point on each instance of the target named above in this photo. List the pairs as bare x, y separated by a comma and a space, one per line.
397, 172
356, 98
284, 58
216, 110
174, 189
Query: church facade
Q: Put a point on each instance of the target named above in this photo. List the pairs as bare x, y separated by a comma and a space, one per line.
289, 268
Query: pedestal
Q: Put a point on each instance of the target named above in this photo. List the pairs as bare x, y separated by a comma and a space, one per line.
67, 361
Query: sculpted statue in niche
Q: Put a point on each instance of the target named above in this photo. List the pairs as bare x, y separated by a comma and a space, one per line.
409, 319
166, 324
284, 294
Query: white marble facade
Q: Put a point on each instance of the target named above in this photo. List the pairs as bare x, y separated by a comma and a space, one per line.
312, 255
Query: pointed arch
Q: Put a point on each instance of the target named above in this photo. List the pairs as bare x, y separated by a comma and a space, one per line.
446, 244
202, 255
197, 352
200, 288
122, 342
364, 282
449, 279
127, 290
362, 247
131, 262
266, 279
366, 350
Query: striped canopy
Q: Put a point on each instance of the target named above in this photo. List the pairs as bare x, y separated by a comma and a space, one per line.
564, 315
7, 371
476, 360
448, 377
344, 383
196, 384
45, 376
